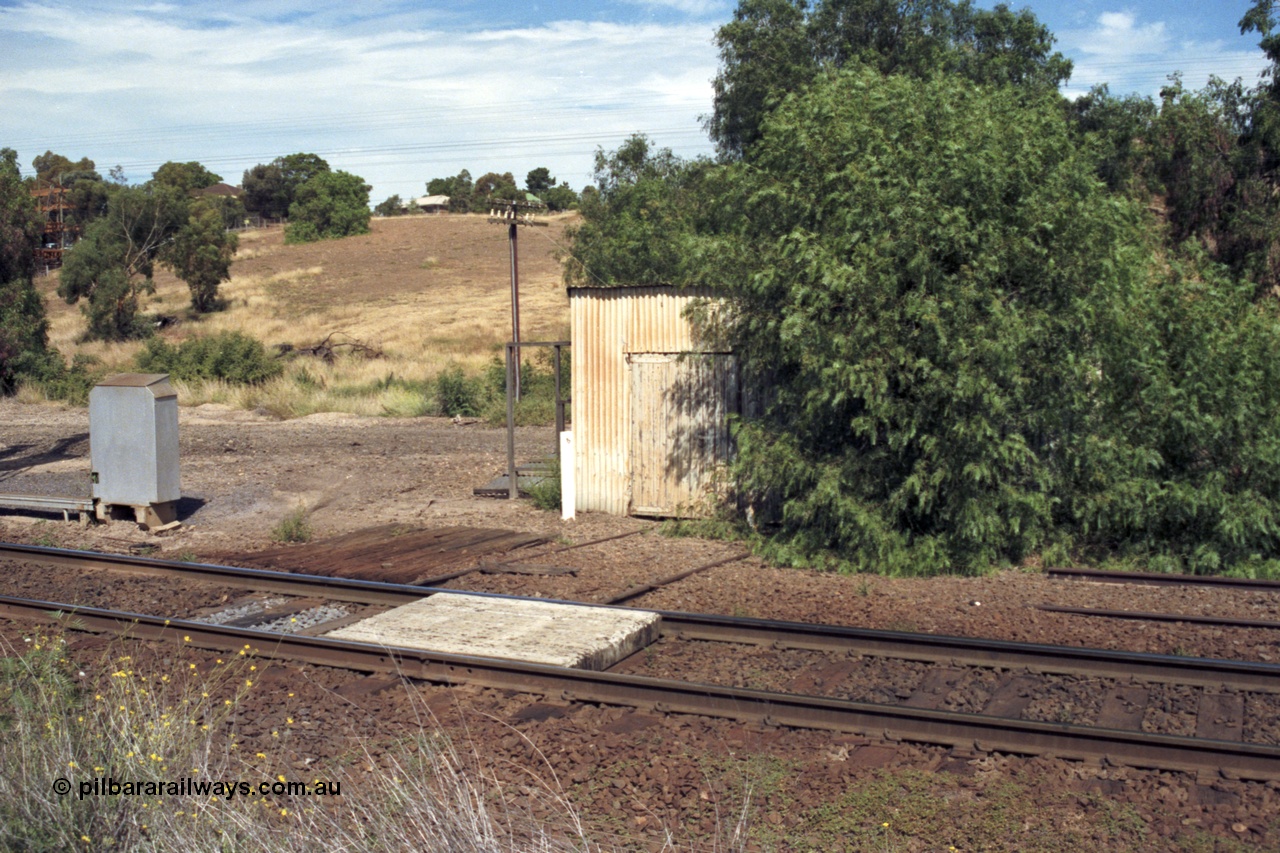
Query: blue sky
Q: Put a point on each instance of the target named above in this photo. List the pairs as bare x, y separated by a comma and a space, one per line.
400, 92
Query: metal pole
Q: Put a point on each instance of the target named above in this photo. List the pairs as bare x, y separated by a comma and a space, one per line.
513, 486
515, 295
559, 401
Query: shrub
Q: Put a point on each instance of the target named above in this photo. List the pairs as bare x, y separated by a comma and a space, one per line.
328, 206
536, 405
457, 394
230, 356
294, 527
977, 357
70, 384
545, 493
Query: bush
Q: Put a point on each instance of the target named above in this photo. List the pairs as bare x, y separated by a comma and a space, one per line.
294, 527
977, 356
485, 396
922, 266
69, 384
545, 493
330, 205
230, 356
537, 405
457, 395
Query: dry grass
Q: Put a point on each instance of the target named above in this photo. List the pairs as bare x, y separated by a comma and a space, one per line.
426, 292
67, 725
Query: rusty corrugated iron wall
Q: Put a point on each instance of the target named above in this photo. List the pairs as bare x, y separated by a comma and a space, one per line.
649, 402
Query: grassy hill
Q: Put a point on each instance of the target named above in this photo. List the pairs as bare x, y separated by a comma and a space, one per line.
427, 292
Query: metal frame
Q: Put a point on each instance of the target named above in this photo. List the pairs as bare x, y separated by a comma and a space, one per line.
513, 393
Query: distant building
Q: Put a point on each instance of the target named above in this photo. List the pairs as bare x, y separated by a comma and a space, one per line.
431, 203
220, 190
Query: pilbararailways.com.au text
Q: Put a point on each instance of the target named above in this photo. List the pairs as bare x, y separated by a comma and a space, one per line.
108, 786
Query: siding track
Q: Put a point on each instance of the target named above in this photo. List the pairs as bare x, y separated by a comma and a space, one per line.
1216, 749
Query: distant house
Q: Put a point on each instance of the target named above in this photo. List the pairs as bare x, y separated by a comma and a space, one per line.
221, 190
432, 203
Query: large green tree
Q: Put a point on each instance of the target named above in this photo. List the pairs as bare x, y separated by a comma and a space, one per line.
977, 352
23, 327
1206, 160
772, 47
538, 180
200, 254
641, 224
458, 188
59, 170
185, 176
915, 267
112, 266
270, 189
85, 191
491, 187
328, 206
392, 205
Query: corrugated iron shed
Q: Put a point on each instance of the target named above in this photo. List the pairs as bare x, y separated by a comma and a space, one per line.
650, 402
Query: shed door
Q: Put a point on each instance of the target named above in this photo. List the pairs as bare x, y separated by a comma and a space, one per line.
679, 429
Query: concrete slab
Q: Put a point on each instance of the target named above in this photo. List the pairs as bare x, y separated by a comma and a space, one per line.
572, 635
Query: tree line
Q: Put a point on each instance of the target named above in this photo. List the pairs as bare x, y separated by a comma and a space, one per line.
467, 195
126, 230
997, 326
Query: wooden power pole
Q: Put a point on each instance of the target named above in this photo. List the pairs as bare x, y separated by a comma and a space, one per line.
514, 214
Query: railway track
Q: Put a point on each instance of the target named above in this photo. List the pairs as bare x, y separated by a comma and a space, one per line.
1157, 579
1224, 686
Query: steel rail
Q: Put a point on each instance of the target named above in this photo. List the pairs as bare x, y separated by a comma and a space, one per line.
946, 728
1217, 621
263, 580
971, 651
960, 651
1156, 579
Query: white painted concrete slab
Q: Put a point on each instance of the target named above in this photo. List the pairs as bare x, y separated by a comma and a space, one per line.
571, 635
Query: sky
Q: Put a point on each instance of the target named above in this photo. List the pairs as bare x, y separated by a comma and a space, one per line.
401, 92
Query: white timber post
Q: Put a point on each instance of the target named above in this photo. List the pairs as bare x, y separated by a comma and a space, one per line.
568, 498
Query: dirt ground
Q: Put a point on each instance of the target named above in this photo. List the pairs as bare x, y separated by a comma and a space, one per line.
653, 780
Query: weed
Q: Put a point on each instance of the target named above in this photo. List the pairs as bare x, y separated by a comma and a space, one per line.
69, 727
43, 536
457, 395
294, 527
545, 493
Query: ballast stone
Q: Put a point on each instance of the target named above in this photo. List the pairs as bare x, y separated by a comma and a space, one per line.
570, 635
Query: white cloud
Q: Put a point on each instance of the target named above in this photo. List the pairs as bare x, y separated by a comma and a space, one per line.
1117, 36
397, 101
1131, 55
698, 8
